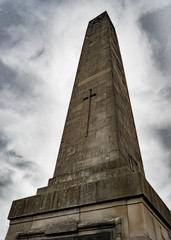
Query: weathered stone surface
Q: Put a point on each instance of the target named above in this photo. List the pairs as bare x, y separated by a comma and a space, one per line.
121, 186
62, 228
107, 120
137, 238
99, 173
127, 219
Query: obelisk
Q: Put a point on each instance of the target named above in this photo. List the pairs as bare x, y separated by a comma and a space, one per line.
99, 189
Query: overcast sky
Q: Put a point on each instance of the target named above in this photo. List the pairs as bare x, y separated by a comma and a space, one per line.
40, 44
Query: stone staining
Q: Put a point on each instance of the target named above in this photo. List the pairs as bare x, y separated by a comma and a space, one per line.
99, 190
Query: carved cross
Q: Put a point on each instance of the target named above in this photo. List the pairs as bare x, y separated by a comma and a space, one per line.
89, 106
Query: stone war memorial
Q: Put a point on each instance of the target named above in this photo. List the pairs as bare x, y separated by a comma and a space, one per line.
98, 190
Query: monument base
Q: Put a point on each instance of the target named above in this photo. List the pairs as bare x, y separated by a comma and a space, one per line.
126, 219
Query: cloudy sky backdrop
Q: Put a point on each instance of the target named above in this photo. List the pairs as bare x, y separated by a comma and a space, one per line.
40, 44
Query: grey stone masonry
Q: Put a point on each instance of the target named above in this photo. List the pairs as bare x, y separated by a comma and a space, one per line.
99, 127
99, 161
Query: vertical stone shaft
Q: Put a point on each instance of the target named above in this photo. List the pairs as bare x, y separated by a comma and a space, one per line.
111, 131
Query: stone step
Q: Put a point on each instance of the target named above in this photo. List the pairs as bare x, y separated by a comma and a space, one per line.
86, 178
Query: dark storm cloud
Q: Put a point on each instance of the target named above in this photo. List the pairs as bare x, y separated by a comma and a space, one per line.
3, 141
52, 2
38, 54
12, 153
156, 24
12, 159
19, 24
12, 164
9, 15
7, 76
164, 135
8, 18
18, 161
17, 86
6, 181
22, 164
166, 93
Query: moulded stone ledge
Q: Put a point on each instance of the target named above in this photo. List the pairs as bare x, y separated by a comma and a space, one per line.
85, 176
127, 185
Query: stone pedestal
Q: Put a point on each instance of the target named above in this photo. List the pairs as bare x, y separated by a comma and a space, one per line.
131, 218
